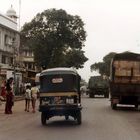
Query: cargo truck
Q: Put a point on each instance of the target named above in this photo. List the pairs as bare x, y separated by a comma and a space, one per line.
125, 79
98, 85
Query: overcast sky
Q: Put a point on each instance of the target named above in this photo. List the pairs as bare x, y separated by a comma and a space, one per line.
111, 25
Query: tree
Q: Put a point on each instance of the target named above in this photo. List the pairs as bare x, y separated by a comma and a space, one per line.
56, 39
103, 67
73, 58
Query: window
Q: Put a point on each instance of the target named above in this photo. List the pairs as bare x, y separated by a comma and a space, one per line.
29, 66
5, 39
8, 40
11, 61
26, 53
3, 59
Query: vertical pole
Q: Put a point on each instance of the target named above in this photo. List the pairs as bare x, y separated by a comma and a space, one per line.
19, 13
14, 70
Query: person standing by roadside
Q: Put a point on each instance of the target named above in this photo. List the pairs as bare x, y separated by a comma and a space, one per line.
27, 98
9, 96
3, 89
34, 93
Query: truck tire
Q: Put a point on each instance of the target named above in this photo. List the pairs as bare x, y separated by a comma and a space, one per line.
136, 106
43, 118
106, 95
91, 95
66, 117
113, 106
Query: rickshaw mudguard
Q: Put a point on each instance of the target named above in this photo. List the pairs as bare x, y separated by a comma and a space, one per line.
43, 108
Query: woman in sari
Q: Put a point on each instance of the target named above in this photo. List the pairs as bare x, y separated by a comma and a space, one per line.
9, 97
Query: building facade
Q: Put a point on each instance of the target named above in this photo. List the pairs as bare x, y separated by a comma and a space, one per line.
9, 43
14, 57
28, 63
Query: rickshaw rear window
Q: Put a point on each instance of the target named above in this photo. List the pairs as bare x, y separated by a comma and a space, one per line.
58, 83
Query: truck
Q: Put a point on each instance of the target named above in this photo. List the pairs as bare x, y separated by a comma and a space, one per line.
98, 85
125, 79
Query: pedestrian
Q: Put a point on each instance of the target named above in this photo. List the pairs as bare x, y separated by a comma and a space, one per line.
27, 98
1, 99
9, 96
3, 90
34, 94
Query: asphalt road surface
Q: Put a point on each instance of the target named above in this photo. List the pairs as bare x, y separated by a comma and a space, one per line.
99, 122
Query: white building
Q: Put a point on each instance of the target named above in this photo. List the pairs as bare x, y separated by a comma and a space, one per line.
9, 42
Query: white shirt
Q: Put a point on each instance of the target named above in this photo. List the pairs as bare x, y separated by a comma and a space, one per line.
28, 94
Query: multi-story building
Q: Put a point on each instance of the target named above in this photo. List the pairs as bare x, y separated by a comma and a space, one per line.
9, 42
10, 48
27, 61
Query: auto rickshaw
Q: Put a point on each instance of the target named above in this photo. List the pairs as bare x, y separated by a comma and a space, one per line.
60, 94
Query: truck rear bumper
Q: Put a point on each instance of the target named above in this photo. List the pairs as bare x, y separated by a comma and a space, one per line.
120, 89
125, 100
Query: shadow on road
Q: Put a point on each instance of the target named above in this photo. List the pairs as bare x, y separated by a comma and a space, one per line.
62, 123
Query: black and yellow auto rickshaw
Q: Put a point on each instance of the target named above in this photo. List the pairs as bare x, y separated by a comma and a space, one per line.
60, 94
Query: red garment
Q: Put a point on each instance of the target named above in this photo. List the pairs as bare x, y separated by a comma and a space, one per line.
3, 92
9, 103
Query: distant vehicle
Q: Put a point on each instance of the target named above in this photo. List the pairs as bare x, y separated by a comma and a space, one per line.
83, 90
125, 79
60, 94
37, 80
97, 85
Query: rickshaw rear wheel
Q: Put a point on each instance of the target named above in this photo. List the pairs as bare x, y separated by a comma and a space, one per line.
66, 117
79, 118
43, 118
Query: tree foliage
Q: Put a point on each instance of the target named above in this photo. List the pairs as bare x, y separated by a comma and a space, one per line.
56, 38
103, 67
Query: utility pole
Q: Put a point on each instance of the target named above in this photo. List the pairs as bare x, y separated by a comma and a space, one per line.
14, 65
19, 13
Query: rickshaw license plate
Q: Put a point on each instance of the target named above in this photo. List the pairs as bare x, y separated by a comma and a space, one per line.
57, 108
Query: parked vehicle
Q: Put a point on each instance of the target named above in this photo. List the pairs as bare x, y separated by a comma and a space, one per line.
60, 94
125, 79
97, 85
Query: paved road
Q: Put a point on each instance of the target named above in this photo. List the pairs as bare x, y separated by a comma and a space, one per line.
100, 122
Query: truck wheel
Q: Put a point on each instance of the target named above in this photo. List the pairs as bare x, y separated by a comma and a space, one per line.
79, 118
91, 95
106, 95
136, 106
43, 118
66, 117
113, 106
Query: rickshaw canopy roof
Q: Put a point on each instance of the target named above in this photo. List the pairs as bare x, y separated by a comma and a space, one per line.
60, 70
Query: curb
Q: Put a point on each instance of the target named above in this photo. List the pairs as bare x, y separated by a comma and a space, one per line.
18, 98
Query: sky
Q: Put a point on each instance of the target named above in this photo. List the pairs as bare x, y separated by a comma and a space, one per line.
111, 25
